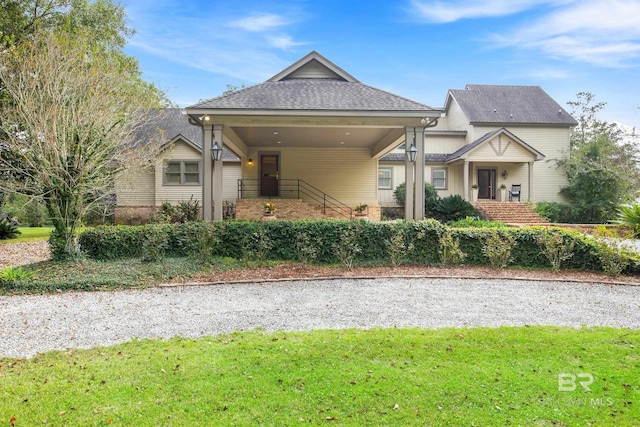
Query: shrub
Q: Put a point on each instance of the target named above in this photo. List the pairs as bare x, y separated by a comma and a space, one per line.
399, 248
450, 252
560, 213
450, 208
13, 276
497, 248
613, 257
184, 211
630, 216
154, 243
8, 227
473, 221
427, 242
306, 250
555, 248
204, 246
399, 193
347, 248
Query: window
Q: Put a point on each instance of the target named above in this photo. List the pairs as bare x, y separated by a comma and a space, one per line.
182, 173
385, 181
439, 178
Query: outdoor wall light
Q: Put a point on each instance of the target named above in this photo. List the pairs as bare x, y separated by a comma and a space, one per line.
505, 174
412, 151
250, 162
216, 151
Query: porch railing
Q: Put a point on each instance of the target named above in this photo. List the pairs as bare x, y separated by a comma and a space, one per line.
296, 189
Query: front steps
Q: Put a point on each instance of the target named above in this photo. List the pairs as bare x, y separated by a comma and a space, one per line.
509, 212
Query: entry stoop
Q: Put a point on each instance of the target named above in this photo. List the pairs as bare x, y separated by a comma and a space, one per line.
509, 212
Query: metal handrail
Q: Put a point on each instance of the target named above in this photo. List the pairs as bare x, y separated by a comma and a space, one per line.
295, 189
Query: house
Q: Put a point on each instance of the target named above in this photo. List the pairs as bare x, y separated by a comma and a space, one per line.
311, 135
316, 142
490, 135
176, 175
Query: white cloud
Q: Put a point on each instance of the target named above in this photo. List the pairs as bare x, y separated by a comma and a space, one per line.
283, 42
259, 23
443, 12
586, 31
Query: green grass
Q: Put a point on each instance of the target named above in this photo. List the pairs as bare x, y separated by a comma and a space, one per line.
395, 377
30, 234
33, 234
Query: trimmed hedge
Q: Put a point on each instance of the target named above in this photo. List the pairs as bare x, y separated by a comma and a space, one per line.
113, 242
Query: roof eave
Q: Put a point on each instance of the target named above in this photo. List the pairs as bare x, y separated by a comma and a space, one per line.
195, 113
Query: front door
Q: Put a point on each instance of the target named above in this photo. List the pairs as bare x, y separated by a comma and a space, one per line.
269, 175
486, 184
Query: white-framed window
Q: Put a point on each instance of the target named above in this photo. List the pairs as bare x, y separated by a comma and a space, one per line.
385, 178
182, 172
439, 178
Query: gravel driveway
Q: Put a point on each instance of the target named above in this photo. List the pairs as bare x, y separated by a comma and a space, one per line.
38, 323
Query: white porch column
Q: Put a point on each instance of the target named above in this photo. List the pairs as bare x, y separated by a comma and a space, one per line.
408, 177
530, 182
217, 176
419, 188
465, 174
207, 166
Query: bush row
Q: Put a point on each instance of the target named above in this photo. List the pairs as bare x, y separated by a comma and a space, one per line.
233, 238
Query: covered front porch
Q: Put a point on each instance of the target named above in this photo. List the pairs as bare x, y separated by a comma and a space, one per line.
311, 133
494, 165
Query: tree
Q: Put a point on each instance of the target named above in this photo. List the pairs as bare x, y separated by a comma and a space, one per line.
602, 168
75, 107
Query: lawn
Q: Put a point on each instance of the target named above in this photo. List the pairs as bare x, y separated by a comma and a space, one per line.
480, 376
30, 234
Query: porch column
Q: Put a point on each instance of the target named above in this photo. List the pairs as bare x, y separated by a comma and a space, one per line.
207, 175
419, 188
465, 181
217, 176
530, 182
408, 177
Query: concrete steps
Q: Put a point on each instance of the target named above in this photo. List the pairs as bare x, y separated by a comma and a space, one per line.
509, 212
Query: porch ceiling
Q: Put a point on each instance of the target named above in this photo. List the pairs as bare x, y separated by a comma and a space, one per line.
315, 136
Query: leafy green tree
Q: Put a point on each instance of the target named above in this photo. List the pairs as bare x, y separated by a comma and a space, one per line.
602, 168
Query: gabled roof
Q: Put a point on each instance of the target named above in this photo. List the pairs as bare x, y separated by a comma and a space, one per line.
463, 152
176, 127
312, 84
509, 105
313, 64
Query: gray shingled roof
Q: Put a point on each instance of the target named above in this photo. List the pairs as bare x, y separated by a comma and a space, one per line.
429, 157
499, 104
175, 124
313, 94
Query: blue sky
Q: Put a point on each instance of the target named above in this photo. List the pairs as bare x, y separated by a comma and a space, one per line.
415, 48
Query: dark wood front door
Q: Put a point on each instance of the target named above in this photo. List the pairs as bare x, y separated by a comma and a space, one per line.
486, 184
269, 175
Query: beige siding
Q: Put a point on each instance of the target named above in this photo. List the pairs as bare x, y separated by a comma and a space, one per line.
553, 142
176, 193
385, 197
501, 149
456, 118
135, 188
440, 144
349, 175
231, 173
